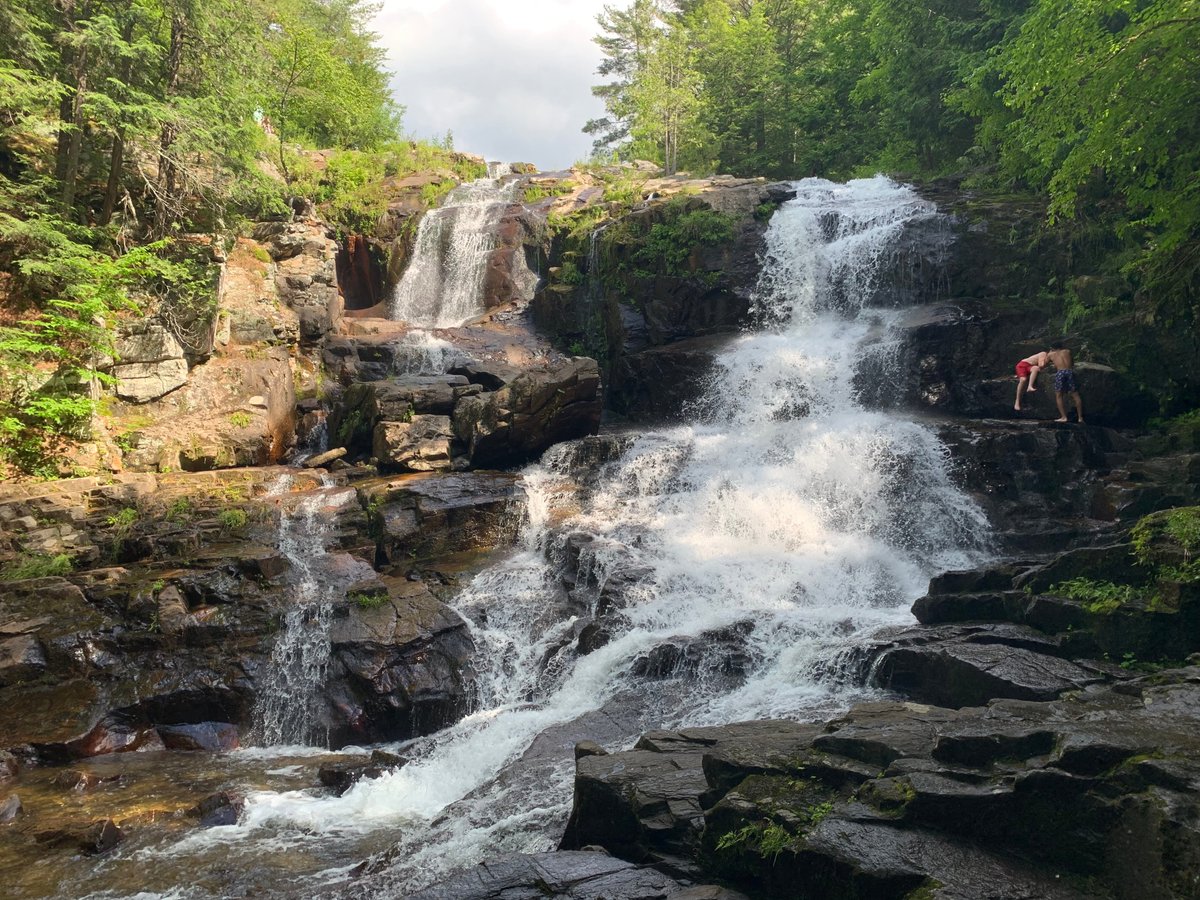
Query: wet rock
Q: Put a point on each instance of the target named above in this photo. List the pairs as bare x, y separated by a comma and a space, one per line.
9, 766
566, 874
92, 840
1028, 798
210, 737
423, 516
341, 776
10, 809
324, 459
589, 748
80, 782
968, 667
399, 667
646, 804
663, 384
221, 808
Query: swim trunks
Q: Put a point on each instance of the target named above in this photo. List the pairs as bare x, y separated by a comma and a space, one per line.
1023, 369
1064, 381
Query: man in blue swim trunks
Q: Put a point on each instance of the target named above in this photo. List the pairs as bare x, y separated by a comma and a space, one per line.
1064, 381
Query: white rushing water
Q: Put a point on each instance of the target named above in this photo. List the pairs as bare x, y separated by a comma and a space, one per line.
441, 287
290, 690
755, 551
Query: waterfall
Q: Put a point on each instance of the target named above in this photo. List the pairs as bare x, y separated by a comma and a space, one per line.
715, 572
289, 699
441, 287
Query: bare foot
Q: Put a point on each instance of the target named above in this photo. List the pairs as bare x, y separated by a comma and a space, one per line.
1060, 420
1017, 408
1031, 390
1081, 422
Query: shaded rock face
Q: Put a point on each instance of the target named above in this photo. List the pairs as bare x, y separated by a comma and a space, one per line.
360, 274
618, 312
399, 667
1029, 799
959, 357
305, 273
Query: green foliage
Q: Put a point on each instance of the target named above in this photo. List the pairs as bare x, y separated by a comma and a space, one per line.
1090, 103
122, 522
365, 600
767, 839
37, 565
232, 519
569, 273
665, 247
181, 510
433, 193
240, 419
764, 211
532, 193
1099, 597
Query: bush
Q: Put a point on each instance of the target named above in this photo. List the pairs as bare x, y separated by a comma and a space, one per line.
37, 565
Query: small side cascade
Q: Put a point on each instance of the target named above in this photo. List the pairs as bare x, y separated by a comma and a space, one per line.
289, 691
441, 288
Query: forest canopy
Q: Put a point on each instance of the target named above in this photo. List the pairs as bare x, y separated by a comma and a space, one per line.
1077, 100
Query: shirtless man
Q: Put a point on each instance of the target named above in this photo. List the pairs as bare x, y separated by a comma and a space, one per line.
1027, 373
1064, 381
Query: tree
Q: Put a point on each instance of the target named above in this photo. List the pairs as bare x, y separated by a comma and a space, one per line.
627, 39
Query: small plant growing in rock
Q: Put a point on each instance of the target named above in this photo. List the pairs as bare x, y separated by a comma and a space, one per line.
232, 519
240, 419
180, 510
122, 522
364, 600
37, 565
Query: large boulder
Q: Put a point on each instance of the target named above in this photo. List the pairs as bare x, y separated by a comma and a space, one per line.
150, 361
534, 410
399, 666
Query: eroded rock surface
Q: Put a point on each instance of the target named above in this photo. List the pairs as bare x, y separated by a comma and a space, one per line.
1045, 799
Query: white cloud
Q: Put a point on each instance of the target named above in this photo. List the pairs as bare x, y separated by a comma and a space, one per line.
511, 80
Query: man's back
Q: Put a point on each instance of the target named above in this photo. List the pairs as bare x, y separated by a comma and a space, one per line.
1061, 358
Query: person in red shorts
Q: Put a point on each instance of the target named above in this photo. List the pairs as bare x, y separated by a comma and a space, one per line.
1027, 373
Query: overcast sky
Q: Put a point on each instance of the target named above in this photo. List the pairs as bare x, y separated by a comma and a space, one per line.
511, 79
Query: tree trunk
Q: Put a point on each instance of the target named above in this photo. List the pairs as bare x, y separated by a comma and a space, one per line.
167, 174
74, 138
116, 162
117, 157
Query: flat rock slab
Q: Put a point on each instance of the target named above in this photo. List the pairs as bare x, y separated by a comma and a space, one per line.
578, 875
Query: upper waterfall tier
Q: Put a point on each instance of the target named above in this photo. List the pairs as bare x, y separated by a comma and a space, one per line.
442, 286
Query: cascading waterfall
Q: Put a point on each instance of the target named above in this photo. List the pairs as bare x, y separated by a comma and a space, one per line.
289, 691
752, 553
441, 286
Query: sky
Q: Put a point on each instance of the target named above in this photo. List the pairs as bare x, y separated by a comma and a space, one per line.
512, 79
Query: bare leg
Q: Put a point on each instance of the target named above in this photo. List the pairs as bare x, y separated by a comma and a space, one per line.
1021, 383
1078, 405
1062, 406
